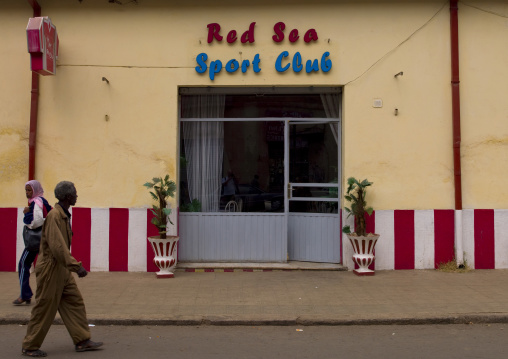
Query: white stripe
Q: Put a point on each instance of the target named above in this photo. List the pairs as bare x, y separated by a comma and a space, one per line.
424, 239
137, 240
459, 241
501, 238
99, 246
22, 274
20, 244
468, 236
172, 229
385, 247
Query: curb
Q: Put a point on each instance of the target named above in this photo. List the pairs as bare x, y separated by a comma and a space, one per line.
218, 321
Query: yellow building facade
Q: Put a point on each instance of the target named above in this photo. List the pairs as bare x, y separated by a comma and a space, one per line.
111, 117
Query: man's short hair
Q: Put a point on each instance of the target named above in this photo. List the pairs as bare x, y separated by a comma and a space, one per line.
64, 189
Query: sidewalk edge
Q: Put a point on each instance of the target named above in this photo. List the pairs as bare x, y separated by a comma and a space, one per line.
451, 319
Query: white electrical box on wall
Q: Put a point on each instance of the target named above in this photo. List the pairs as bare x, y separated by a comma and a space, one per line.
378, 103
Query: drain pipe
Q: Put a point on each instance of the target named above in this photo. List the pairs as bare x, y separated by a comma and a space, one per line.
34, 107
454, 33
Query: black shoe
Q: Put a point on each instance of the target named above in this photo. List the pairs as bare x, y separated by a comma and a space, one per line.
85, 345
37, 353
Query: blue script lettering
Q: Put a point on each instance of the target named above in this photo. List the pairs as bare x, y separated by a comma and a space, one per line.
231, 66
310, 66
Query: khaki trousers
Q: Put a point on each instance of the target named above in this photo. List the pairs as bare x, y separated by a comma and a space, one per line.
56, 290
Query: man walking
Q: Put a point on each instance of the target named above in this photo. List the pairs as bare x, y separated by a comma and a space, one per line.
56, 286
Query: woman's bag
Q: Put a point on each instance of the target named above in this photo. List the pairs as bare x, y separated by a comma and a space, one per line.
32, 238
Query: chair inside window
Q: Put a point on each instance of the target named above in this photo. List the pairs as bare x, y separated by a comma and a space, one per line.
231, 206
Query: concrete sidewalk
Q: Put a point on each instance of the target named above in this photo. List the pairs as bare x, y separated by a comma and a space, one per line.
281, 297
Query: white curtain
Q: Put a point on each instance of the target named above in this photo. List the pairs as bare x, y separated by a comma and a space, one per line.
204, 148
331, 103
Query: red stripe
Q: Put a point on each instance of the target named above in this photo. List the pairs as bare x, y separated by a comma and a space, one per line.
404, 239
81, 239
8, 232
370, 222
444, 236
151, 230
484, 257
118, 239
341, 235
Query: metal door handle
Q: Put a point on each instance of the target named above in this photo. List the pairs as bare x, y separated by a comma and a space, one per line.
290, 188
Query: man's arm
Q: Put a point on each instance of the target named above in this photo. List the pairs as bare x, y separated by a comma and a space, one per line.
58, 245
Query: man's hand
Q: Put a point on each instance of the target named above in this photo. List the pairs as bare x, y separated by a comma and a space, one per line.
82, 272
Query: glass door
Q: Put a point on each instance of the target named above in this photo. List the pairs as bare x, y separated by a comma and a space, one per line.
312, 183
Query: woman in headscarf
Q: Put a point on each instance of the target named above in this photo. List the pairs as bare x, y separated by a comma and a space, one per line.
35, 213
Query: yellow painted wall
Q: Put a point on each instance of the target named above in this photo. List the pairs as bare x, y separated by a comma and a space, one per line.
111, 138
15, 87
483, 28
408, 156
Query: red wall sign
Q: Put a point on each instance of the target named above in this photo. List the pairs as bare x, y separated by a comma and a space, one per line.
42, 45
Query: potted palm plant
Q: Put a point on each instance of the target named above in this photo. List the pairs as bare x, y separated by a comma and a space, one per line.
164, 246
363, 243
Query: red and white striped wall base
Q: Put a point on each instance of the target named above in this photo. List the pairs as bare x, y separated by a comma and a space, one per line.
422, 239
115, 239
105, 239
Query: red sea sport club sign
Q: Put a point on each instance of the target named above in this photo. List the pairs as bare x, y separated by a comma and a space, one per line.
283, 62
42, 45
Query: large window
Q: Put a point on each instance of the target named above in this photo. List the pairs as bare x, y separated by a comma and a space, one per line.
250, 173
236, 163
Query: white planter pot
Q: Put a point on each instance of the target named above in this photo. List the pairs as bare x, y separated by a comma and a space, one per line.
363, 247
165, 251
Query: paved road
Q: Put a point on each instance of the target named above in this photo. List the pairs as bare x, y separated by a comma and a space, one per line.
294, 342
